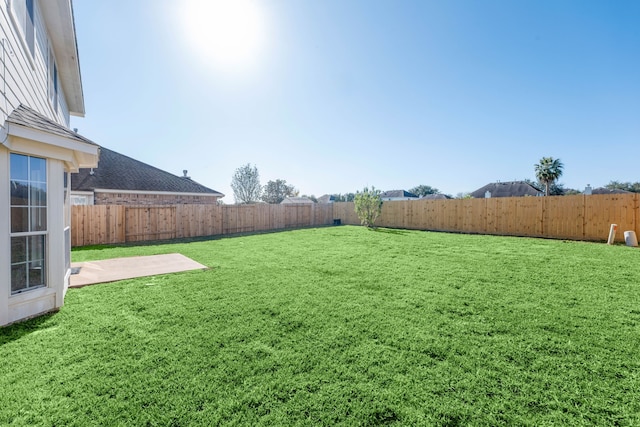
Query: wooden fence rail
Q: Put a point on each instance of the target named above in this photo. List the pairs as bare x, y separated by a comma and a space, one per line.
102, 224
560, 217
563, 217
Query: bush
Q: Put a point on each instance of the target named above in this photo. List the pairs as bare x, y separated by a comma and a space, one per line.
368, 206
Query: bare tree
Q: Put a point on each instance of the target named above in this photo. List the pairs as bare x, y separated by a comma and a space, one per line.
246, 184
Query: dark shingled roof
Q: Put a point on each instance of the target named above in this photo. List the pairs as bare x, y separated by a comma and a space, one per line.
397, 193
25, 116
507, 189
119, 172
435, 197
603, 190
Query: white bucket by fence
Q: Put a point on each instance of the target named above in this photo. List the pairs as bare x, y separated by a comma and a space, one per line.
630, 238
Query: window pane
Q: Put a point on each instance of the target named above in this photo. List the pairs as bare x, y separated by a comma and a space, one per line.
18, 249
38, 169
38, 219
19, 220
19, 193
36, 274
18, 277
39, 194
36, 248
19, 167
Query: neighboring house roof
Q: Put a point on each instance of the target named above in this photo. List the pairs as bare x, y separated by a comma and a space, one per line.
297, 200
435, 197
327, 198
116, 171
397, 194
507, 189
603, 190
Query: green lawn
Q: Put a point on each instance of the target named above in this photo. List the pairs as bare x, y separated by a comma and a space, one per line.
340, 326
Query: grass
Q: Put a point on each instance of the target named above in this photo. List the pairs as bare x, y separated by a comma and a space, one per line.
340, 326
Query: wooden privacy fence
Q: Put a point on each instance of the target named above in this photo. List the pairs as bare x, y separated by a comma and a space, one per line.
561, 217
104, 224
577, 217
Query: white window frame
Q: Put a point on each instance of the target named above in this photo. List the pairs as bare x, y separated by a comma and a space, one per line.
53, 82
44, 233
19, 24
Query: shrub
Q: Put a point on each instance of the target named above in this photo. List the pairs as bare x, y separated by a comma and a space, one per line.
368, 206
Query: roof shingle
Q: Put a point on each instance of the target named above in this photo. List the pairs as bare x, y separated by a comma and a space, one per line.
25, 116
116, 171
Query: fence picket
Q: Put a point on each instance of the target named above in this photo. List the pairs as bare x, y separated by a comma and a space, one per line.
568, 217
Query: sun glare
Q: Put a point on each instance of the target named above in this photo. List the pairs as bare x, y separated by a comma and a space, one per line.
227, 34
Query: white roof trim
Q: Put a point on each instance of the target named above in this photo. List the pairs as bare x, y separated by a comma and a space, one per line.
58, 18
85, 154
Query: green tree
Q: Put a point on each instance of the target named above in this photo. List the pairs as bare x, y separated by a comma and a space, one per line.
548, 170
347, 197
634, 187
276, 191
571, 192
423, 190
368, 206
246, 184
555, 189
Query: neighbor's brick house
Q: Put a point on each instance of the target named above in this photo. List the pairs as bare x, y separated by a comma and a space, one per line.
121, 180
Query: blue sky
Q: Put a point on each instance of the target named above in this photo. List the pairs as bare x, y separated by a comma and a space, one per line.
341, 94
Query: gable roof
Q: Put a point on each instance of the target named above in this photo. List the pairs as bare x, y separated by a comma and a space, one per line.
507, 189
397, 193
116, 171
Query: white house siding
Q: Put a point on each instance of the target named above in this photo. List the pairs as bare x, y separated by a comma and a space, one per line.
25, 81
5, 224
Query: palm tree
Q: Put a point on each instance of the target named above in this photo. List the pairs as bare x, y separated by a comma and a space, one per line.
548, 171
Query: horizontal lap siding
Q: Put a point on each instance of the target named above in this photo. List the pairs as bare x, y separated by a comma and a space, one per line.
25, 80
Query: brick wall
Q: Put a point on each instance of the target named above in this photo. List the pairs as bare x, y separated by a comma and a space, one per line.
151, 199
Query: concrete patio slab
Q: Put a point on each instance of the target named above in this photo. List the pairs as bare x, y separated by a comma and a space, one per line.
111, 270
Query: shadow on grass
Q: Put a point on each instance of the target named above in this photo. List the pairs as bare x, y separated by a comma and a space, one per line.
18, 330
192, 239
390, 231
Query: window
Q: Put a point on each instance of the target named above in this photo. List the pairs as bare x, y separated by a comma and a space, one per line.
23, 14
28, 222
53, 80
